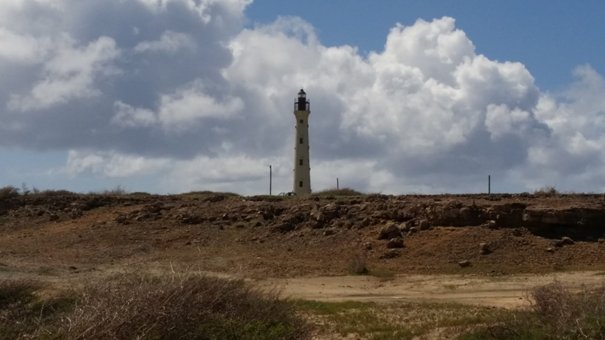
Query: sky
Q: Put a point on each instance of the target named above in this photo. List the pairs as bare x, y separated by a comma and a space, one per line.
170, 96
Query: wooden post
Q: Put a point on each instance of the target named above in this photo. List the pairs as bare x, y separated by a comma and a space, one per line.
489, 184
270, 179
337, 186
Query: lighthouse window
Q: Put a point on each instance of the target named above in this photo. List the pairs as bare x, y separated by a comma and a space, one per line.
300, 162
300, 184
302, 121
300, 140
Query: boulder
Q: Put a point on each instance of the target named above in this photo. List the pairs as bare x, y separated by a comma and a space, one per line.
396, 242
464, 263
564, 241
388, 232
424, 225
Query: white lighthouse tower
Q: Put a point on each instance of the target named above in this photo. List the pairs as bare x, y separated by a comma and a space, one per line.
302, 167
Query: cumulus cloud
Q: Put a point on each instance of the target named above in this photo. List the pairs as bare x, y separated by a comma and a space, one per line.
180, 90
69, 75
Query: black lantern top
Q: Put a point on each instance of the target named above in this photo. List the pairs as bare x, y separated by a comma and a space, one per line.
302, 103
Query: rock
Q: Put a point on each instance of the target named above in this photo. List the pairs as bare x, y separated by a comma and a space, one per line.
517, 232
490, 224
464, 263
391, 254
484, 247
601, 240
284, 227
404, 227
465, 213
329, 232
550, 249
367, 245
396, 242
564, 241
388, 232
365, 222
424, 225
190, 219
412, 230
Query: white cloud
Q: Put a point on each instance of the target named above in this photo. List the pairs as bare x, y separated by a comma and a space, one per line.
19, 48
69, 74
179, 90
169, 42
112, 164
180, 110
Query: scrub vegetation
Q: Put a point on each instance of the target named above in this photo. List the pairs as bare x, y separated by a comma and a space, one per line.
145, 307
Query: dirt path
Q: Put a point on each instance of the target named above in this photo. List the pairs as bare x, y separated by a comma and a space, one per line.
509, 291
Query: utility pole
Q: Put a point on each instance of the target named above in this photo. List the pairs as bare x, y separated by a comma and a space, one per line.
489, 184
270, 179
337, 186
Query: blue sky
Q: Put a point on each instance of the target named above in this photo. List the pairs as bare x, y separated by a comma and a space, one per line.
407, 96
549, 37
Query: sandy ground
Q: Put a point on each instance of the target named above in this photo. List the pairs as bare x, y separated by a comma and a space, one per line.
509, 291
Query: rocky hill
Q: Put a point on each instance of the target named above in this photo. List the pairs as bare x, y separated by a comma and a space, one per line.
330, 234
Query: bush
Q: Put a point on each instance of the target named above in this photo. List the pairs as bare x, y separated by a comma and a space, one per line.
579, 315
338, 192
142, 307
546, 191
8, 192
358, 265
192, 307
556, 313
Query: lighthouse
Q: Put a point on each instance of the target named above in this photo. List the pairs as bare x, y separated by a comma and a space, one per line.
302, 167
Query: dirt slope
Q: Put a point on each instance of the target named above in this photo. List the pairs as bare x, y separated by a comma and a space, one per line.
62, 233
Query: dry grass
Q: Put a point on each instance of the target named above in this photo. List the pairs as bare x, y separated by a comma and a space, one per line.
556, 313
143, 307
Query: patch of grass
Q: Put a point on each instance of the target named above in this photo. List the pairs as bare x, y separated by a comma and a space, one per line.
24, 315
395, 321
382, 274
355, 318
